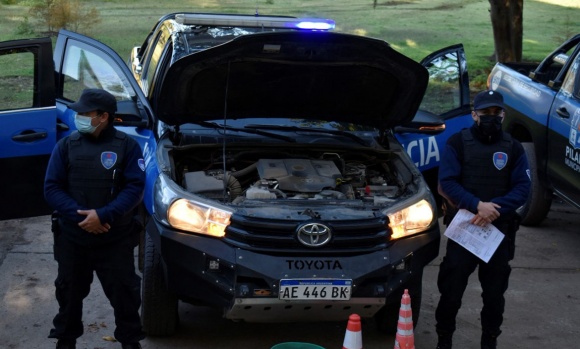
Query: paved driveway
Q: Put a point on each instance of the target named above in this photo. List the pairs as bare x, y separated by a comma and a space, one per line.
542, 302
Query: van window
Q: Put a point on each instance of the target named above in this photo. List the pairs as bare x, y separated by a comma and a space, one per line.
17, 79
84, 68
155, 57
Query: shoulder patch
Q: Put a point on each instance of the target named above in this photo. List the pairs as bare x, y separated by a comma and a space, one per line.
500, 160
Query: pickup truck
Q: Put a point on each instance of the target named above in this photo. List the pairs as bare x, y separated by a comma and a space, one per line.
281, 184
542, 104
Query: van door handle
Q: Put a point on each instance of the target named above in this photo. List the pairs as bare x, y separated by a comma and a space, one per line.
563, 113
29, 136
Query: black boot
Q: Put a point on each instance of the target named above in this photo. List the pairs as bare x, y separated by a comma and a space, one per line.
444, 341
489, 341
135, 345
66, 344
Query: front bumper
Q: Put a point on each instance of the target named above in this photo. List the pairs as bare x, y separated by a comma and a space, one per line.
245, 284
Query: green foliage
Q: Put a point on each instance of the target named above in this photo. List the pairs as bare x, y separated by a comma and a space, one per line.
16, 80
9, 2
25, 27
413, 27
567, 30
67, 14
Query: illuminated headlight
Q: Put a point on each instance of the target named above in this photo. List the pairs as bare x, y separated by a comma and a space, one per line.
184, 211
191, 216
411, 220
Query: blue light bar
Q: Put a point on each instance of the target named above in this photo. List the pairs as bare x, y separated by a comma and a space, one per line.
316, 24
255, 21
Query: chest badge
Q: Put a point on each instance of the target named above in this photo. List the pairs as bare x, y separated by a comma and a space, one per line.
500, 160
108, 159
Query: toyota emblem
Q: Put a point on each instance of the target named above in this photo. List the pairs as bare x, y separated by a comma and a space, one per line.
313, 234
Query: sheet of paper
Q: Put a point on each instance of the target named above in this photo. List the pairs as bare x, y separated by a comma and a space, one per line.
481, 241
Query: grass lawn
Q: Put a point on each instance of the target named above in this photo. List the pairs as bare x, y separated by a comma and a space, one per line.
414, 27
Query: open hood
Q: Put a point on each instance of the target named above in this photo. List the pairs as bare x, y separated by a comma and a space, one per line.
306, 75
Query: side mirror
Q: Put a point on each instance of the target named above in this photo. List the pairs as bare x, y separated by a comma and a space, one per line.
424, 122
129, 120
128, 115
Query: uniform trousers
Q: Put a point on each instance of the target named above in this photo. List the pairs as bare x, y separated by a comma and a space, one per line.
458, 264
114, 265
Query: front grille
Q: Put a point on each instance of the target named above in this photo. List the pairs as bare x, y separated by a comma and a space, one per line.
279, 236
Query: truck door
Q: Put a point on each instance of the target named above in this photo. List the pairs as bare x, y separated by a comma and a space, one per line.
82, 62
446, 100
28, 125
564, 135
447, 97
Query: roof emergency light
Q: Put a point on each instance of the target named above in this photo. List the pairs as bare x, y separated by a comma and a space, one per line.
316, 24
255, 21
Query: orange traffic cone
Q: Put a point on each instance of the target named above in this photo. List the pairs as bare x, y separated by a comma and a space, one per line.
353, 335
405, 338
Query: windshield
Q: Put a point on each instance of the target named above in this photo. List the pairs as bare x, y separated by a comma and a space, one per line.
188, 39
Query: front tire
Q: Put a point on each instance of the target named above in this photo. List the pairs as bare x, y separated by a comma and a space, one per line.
539, 201
159, 314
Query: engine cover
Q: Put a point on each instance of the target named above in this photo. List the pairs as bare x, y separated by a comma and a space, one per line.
300, 175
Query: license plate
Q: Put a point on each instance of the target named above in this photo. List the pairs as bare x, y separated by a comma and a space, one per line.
313, 289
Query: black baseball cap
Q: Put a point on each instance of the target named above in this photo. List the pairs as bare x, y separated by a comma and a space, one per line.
487, 99
95, 99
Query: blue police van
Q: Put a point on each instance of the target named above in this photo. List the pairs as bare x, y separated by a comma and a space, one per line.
289, 167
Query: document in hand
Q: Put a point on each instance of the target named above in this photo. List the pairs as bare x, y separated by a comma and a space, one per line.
481, 241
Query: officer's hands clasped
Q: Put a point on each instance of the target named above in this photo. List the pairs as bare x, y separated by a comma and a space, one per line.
486, 213
92, 223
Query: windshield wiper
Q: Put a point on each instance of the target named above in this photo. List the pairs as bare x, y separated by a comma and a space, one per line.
346, 134
251, 130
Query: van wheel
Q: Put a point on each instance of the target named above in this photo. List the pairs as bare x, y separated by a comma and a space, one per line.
539, 201
159, 314
388, 317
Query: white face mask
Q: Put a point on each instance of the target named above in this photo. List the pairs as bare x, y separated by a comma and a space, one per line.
83, 123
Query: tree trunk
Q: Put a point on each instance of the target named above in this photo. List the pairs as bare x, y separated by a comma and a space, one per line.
507, 24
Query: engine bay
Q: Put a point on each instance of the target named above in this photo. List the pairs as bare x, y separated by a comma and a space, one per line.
293, 173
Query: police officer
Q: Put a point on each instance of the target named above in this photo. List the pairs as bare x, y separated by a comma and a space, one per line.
482, 170
95, 180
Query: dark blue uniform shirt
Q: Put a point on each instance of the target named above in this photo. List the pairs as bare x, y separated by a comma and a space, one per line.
450, 178
128, 197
